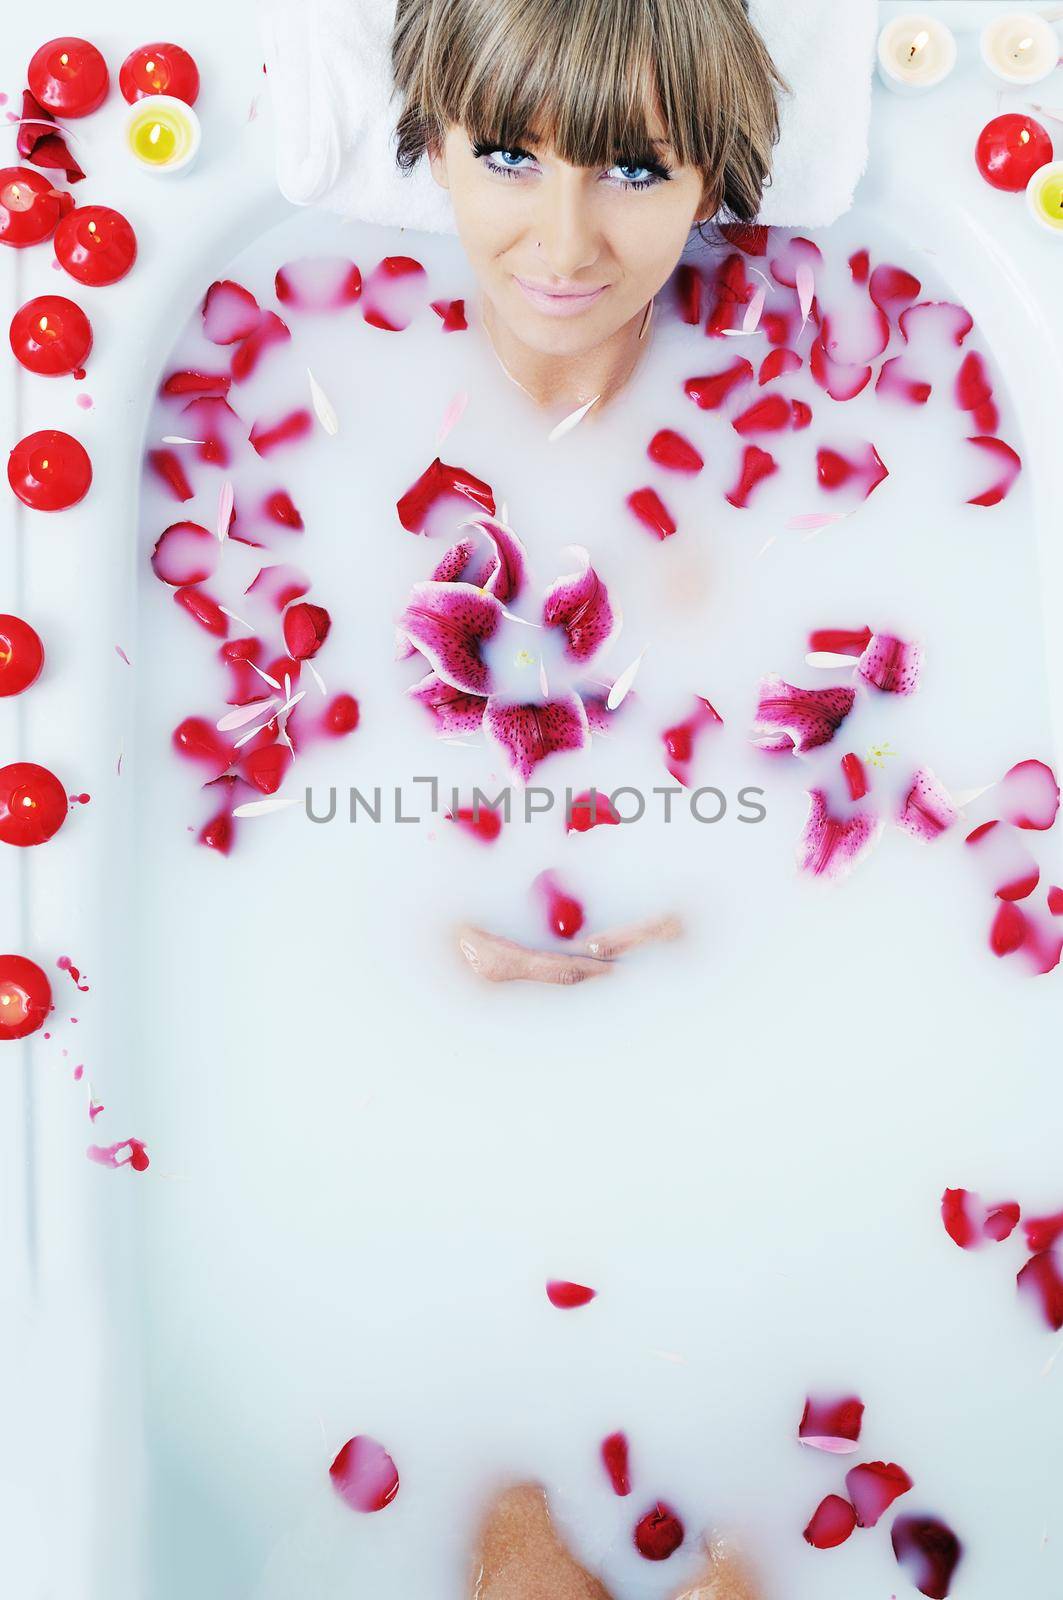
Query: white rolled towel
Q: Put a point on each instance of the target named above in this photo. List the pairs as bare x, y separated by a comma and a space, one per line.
334, 111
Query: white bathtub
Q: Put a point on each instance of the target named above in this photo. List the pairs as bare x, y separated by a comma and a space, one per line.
143, 1460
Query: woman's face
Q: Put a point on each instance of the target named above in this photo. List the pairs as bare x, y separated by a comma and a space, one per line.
568, 255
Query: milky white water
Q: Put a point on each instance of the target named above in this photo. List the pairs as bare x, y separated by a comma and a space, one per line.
739, 1140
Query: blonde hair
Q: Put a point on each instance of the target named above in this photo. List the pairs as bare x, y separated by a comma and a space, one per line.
576, 72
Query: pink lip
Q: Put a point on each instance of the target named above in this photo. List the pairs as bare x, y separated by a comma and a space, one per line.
567, 304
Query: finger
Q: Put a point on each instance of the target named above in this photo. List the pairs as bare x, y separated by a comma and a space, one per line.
500, 960
618, 941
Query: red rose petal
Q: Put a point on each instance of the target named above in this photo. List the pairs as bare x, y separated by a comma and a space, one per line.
892, 288
1008, 464
928, 1551
757, 465
318, 283
568, 1296
688, 287
394, 292
1043, 1232
306, 628
778, 364
670, 449
364, 1475
1028, 795
591, 810
481, 821
710, 391
832, 1425
841, 382
1041, 1279
169, 469
230, 312
832, 1522
873, 1487
436, 482
855, 774
752, 237
652, 512
185, 552
770, 415
659, 1533
294, 425
615, 1461
249, 352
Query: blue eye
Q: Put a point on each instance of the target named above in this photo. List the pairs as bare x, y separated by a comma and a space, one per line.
509, 162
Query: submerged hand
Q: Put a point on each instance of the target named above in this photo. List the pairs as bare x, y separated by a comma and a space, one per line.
500, 960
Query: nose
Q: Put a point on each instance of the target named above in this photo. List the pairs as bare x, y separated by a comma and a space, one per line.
565, 225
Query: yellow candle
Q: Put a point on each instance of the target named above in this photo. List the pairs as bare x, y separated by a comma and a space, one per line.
163, 133
1044, 193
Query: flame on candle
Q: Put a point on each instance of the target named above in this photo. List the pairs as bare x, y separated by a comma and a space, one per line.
65, 59
1024, 136
149, 66
156, 130
920, 42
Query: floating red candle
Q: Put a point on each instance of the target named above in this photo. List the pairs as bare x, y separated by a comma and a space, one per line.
30, 208
49, 470
51, 335
21, 655
25, 997
1010, 150
33, 804
95, 244
68, 76
159, 69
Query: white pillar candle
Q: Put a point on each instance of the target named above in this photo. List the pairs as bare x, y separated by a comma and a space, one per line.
1020, 47
915, 53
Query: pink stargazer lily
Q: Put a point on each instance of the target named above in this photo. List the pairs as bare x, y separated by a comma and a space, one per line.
793, 720
450, 620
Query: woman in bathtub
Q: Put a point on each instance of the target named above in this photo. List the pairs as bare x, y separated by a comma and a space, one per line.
580, 141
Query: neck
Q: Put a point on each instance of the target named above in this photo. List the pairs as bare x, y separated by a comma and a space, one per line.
570, 381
